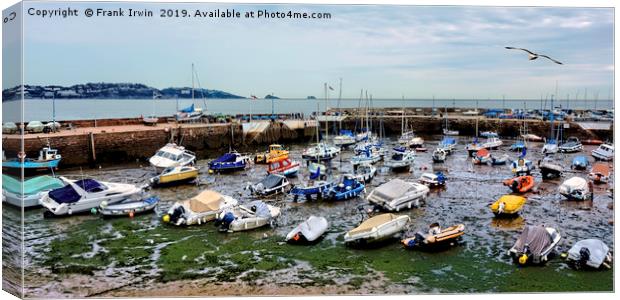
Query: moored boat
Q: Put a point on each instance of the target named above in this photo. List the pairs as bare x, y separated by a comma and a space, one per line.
377, 228
508, 205
397, 194
436, 238
48, 159
532, 137
439, 155
276, 152
604, 152
175, 175
580, 163
199, 209
366, 156
447, 144
270, 185
589, 254
284, 167
128, 207
28, 193
401, 159
248, 216
492, 143
535, 245
345, 138
308, 231
576, 188
521, 184
433, 179
320, 152
172, 155
229, 162
600, 173
85, 194
483, 156
365, 172
348, 187
571, 145
522, 166
550, 168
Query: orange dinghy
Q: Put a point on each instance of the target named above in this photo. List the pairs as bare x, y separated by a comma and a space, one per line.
521, 184
599, 173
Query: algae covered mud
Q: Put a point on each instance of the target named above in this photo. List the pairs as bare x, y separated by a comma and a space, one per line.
87, 255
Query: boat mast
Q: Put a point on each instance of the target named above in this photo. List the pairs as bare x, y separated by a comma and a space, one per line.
402, 120
325, 114
318, 140
192, 83
339, 111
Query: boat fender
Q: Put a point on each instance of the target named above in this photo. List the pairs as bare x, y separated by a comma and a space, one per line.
92, 211
523, 259
131, 213
411, 243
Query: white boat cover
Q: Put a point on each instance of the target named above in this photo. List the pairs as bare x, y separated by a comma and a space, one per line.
393, 189
536, 237
596, 252
262, 210
574, 184
311, 229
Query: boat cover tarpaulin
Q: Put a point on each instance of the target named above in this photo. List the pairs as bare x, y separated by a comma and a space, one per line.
600, 168
207, 200
392, 189
228, 157
272, 181
596, 248
373, 222
188, 109
262, 209
536, 237
30, 186
574, 184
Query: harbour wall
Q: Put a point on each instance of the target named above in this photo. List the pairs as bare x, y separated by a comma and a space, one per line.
126, 140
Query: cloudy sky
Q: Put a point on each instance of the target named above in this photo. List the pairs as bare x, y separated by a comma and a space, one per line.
415, 51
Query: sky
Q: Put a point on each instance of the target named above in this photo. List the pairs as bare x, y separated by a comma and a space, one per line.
391, 51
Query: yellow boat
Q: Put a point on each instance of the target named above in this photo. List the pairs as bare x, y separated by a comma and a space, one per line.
175, 175
276, 153
508, 205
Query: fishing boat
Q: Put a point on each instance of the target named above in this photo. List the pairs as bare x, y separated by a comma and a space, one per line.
345, 138
276, 152
580, 163
576, 188
397, 194
507, 205
28, 193
9, 128
229, 162
401, 159
284, 167
366, 156
85, 194
439, 155
481, 157
535, 245
604, 152
199, 209
521, 184
492, 143
550, 168
348, 187
436, 179
600, 173
48, 159
446, 236
172, 155
270, 185
308, 232
532, 137
130, 207
448, 144
175, 175
589, 254
248, 216
522, 166
377, 228
571, 145
320, 152
365, 172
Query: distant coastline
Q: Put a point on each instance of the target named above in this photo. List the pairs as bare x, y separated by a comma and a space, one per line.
111, 91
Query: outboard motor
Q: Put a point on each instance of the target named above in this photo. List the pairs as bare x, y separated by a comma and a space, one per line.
177, 214
226, 220
584, 256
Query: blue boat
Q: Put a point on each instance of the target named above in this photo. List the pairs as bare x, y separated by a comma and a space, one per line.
48, 158
580, 163
447, 144
518, 146
232, 161
318, 188
348, 187
29, 192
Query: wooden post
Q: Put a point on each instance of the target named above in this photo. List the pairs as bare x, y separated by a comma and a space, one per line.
93, 151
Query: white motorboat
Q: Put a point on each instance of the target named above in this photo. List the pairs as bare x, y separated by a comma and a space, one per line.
535, 244
171, 155
550, 168
590, 253
320, 152
439, 155
405, 137
248, 216
398, 194
366, 156
400, 159
571, 145
270, 185
346, 138
532, 137
604, 152
416, 142
433, 180
450, 132
492, 143
85, 194
199, 209
309, 231
550, 147
365, 172
576, 188
377, 228
447, 144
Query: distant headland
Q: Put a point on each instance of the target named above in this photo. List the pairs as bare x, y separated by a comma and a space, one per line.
111, 91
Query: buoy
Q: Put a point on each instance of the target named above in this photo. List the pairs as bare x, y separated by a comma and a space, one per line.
563, 255
131, 214
93, 211
166, 218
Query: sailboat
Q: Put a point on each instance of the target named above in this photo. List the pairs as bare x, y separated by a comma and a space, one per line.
345, 137
521, 142
473, 147
190, 113
409, 138
321, 151
446, 130
551, 144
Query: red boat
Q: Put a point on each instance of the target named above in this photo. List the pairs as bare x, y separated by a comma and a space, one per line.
284, 167
591, 142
